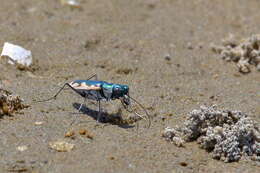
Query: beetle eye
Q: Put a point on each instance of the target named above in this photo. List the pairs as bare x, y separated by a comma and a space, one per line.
117, 89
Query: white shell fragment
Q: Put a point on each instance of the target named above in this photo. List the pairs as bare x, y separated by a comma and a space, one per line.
17, 54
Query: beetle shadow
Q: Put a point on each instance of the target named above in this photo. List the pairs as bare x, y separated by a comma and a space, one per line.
114, 119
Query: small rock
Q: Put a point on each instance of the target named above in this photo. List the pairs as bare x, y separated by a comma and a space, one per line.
71, 3
61, 146
258, 67
243, 66
90, 136
38, 123
124, 71
82, 131
111, 158
184, 164
216, 76
69, 134
167, 57
22, 148
18, 168
86, 133
178, 141
92, 43
189, 45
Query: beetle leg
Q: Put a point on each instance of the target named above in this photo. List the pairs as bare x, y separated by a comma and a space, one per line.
99, 111
84, 102
93, 76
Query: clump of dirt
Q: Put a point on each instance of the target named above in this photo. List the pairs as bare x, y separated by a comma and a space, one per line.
10, 103
245, 52
125, 71
70, 134
92, 43
86, 133
229, 135
31, 68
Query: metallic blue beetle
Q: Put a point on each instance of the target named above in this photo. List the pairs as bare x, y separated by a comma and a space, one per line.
103, 91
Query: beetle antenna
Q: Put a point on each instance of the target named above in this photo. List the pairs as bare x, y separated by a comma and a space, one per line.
63, 88
148, 117
54, 97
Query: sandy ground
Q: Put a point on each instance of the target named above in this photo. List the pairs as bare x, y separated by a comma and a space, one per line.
123, 41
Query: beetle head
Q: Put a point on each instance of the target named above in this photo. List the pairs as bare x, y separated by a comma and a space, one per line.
120, 91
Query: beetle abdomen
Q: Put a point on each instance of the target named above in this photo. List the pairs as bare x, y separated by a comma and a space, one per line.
89, 89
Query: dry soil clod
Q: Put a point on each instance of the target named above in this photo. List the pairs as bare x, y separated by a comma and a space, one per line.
229, 135
244, 53
86, 133
82, 131
69, 134
10, 103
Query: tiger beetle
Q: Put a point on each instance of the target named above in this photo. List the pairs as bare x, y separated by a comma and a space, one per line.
103, 91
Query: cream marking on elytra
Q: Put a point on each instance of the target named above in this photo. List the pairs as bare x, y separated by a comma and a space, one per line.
74, 84
84, 86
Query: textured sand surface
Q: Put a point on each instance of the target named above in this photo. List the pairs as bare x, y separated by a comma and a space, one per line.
122, 41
